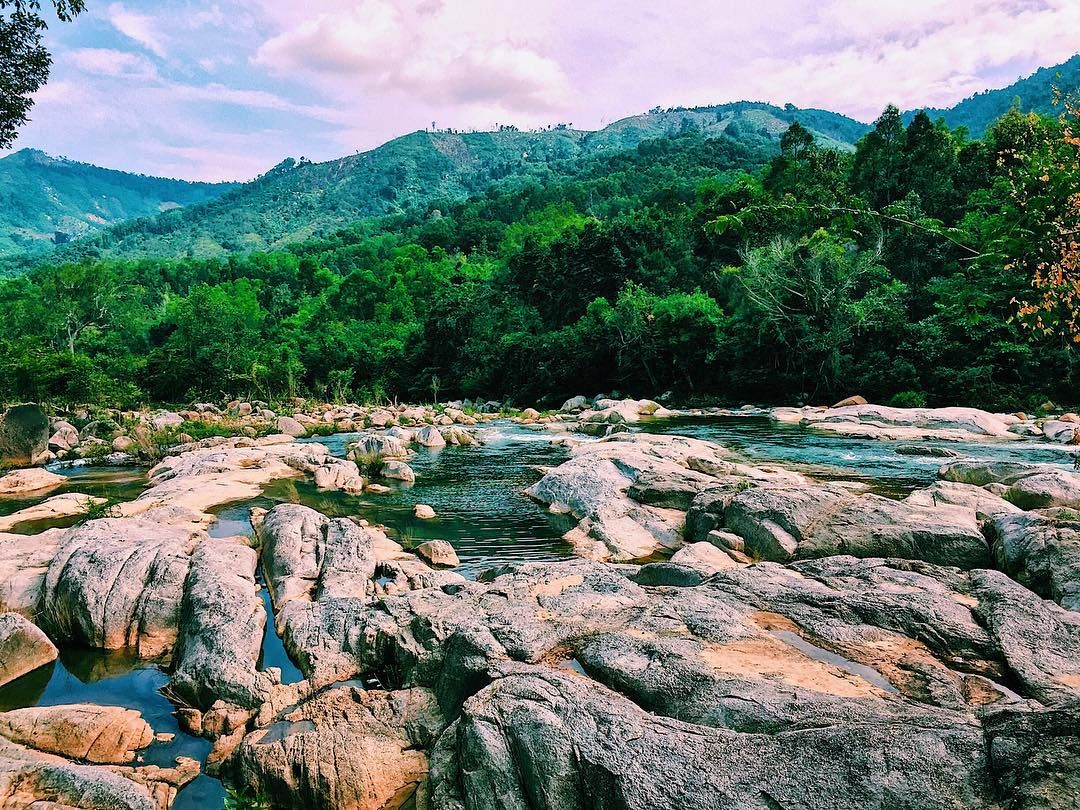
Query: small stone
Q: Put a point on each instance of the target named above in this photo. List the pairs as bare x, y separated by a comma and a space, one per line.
855, 400
438, 553
290, 427
423, 511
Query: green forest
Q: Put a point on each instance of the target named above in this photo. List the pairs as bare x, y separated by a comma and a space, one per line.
921, 267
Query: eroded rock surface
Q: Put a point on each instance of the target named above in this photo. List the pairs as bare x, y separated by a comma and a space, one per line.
118, 583
344, 749
23, 647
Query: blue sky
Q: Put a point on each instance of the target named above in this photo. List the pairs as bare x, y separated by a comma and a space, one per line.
225, 90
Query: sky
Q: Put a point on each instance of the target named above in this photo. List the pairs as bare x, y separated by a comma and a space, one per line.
225, 90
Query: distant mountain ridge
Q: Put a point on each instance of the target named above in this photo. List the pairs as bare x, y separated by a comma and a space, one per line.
46, 200
295, 201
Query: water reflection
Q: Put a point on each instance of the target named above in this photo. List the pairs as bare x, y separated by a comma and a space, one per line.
117, 679
114, 483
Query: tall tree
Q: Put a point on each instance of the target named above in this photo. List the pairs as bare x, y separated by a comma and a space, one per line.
877, 173
930, 166
24, 61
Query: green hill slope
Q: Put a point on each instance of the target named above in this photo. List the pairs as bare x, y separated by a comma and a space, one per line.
298, 201
1034, 94
45, 200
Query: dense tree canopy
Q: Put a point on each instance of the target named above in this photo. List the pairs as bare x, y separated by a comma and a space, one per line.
703, 266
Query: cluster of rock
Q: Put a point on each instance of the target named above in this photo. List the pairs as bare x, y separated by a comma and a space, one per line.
600, 416
803, 640
855, 417
29, 436
386, 453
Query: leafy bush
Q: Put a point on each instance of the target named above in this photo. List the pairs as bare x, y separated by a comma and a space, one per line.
908, 399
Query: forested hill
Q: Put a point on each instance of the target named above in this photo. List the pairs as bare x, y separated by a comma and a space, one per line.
1034, 94
46, 200
296, 201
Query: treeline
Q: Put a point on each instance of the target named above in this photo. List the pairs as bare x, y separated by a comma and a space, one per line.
709, 268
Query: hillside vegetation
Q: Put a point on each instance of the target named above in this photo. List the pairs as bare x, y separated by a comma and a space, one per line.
111, 214
299, 200
45, 201
702, 265
1035, 93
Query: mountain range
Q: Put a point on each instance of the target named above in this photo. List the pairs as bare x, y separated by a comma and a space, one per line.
62, 209
47, 201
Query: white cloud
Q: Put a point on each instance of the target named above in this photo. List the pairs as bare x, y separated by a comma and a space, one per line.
421, 50
141, 28
109, 62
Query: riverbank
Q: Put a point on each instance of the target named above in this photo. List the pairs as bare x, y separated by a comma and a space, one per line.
702, 599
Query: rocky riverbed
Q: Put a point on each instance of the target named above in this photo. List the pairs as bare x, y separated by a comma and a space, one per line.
716, 630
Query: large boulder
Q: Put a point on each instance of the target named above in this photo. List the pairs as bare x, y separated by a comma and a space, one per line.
784, 523
1042, 552
378, 447
53, 783
1028, 486
438, 553
118, 583
1035, 755
25, 482
1044, 489
24, 436
222, 620
396, 470
307, 555
24, 561
907, 424
64, 437
950, 493
429, 436
23, 647
99, 734
344, 749
339, 475
537, 734
291, 427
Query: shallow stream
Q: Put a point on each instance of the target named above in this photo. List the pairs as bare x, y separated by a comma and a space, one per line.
477, 494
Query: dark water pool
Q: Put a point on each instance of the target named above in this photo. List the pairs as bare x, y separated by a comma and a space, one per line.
118, 679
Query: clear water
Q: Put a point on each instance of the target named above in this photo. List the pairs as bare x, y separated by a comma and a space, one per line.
872, 461
477, 493
114, 483
118, 679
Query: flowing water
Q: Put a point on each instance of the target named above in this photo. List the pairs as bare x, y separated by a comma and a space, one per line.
477, 494
873, 461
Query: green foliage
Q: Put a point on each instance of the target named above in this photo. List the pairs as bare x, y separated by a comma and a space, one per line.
24, 61
243, 799
712, 267
908, 399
